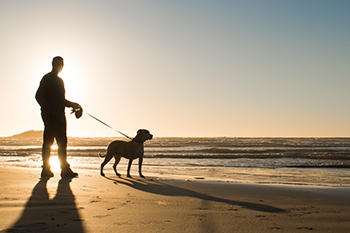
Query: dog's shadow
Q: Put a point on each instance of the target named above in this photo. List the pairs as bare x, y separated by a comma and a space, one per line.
162, 188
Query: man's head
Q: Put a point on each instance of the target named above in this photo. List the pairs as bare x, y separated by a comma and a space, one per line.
57, 64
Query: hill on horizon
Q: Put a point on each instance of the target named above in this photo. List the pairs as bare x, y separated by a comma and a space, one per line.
29, 134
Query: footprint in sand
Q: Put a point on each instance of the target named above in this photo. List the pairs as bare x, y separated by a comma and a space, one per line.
102, 216
305, 228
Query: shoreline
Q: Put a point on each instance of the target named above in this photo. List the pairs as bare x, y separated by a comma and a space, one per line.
312, 177
92, 203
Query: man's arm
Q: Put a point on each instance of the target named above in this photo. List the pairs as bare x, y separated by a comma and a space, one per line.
41, 98
73, 105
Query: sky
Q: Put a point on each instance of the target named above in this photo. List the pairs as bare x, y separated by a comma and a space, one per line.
184, 68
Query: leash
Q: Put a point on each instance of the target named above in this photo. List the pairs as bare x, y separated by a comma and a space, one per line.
108, 125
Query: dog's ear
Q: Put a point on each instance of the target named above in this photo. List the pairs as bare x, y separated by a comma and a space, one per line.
142, 130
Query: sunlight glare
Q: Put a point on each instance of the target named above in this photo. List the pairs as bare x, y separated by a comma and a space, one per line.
54, 163
71, 79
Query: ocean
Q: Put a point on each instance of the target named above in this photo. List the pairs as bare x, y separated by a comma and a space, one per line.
291, 161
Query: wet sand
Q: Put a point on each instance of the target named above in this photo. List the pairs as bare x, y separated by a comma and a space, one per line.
92, 203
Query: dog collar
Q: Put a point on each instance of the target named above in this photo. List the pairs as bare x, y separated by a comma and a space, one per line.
136, 140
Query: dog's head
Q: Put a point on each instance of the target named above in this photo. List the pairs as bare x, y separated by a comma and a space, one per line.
143, 135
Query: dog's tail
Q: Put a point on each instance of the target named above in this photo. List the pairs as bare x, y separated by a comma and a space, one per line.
101, 156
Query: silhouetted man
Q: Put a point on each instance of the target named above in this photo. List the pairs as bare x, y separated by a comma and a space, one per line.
51, 97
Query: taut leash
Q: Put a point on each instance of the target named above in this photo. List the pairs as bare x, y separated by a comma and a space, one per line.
108, 125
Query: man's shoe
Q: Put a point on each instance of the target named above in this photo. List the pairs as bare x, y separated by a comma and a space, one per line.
46, 172
67, 172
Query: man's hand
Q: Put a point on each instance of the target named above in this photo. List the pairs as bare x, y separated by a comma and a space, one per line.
73, 105
76, 108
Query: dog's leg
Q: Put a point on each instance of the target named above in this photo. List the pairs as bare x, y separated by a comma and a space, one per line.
117, 159
107, 159
140, 167
129, 166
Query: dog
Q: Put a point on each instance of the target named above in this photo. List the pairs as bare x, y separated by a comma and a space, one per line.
130, 150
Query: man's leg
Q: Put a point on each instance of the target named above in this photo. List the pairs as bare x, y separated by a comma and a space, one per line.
48, 139
61, 139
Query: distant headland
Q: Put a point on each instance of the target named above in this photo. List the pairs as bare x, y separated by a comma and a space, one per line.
29, 134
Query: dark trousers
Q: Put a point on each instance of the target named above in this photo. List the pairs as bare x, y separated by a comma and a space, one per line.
55, 128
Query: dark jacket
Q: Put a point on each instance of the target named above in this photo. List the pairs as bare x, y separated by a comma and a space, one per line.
51, 95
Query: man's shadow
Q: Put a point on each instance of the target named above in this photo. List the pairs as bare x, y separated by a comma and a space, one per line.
157, 187
42, 214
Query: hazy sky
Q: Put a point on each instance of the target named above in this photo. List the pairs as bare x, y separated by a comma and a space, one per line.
181, 68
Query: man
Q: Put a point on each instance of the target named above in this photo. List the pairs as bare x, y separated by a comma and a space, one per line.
51, 97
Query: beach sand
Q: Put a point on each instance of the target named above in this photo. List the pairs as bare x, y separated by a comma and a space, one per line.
92, 203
